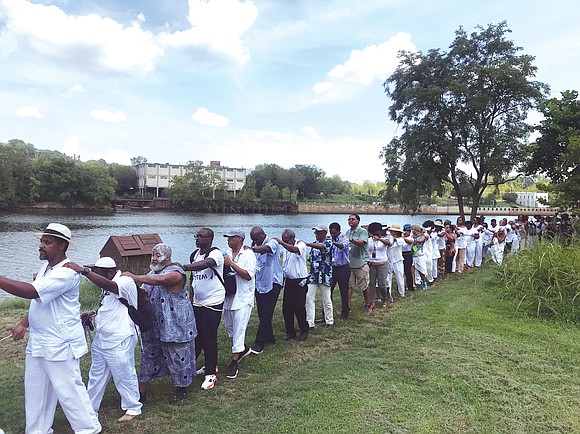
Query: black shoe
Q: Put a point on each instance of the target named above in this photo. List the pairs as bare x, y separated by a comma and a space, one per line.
329, 326
257, 348
288, 337
232, 371
312, 328
319, 321
179, 395
247, 350
302, 336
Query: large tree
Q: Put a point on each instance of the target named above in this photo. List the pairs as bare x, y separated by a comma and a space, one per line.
556, 153
463, 115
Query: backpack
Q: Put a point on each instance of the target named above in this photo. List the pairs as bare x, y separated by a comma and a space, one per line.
229, 279
142, 316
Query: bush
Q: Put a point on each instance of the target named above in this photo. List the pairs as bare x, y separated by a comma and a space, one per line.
544, 281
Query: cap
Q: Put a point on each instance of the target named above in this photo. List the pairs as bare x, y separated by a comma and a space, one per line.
407, 227
56, 230
320, 228
395, 228
235, 233
106, 262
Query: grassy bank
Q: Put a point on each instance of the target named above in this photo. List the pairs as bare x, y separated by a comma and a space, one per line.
454, 359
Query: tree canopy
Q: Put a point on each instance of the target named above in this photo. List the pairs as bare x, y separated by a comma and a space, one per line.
29, 176
197, 186
463, 113
556, 152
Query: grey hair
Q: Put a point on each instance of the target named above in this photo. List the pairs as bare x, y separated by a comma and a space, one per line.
163, 249
288, 232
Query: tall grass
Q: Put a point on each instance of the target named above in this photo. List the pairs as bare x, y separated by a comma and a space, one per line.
544, 281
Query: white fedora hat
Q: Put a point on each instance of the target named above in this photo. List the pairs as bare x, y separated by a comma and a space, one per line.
56, 230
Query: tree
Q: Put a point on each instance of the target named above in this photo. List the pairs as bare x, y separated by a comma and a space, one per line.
556, 153
95, 185
126, 178
270, 193
197, 186
462, 111
135, 161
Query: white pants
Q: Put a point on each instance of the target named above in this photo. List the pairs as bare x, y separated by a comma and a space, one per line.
478, 252
236, 322
119, 363
470, 254
434, 271
48, 382
399, 272
313, 288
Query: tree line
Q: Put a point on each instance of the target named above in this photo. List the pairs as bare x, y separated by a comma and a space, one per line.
29, 176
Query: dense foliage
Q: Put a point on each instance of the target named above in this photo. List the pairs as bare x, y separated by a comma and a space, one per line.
463, 113
29, 176
556, 153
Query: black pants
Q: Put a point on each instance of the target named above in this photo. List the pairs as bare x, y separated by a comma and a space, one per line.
294, 305
207, 320
340, 275
448, 264
266, 302
407, 264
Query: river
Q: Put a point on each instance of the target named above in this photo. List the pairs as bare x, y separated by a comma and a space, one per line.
19, 246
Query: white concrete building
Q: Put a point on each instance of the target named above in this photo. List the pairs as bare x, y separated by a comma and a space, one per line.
155, 178
528, 199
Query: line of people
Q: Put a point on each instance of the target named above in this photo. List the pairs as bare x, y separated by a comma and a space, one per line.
187, 315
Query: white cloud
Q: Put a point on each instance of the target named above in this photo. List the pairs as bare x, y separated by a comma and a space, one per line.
217, 25
71, 146
29, 112
115, 156
310, 132
205, 117
89, 41
73, 90
365, 67
108, 116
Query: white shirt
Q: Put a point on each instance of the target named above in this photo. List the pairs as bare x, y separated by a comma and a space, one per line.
461, 241
113, 322
294, 264
244, 288
54, 317
377, 251
396, 250
207, 287
470, 240
435, 254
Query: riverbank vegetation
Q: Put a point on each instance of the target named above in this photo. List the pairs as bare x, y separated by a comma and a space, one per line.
457, 358
29, 176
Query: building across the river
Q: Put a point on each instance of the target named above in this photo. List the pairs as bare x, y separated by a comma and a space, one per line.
155, 178
530, 199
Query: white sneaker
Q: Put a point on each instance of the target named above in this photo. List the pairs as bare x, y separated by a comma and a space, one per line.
209, 382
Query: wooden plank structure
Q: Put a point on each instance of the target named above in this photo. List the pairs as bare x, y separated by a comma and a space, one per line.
131, 252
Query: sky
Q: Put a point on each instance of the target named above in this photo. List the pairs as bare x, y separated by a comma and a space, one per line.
242, 82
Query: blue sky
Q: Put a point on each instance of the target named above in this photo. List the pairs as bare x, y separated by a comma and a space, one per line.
243, 82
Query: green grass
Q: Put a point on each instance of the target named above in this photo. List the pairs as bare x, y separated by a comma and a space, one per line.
454, 359
544, 281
